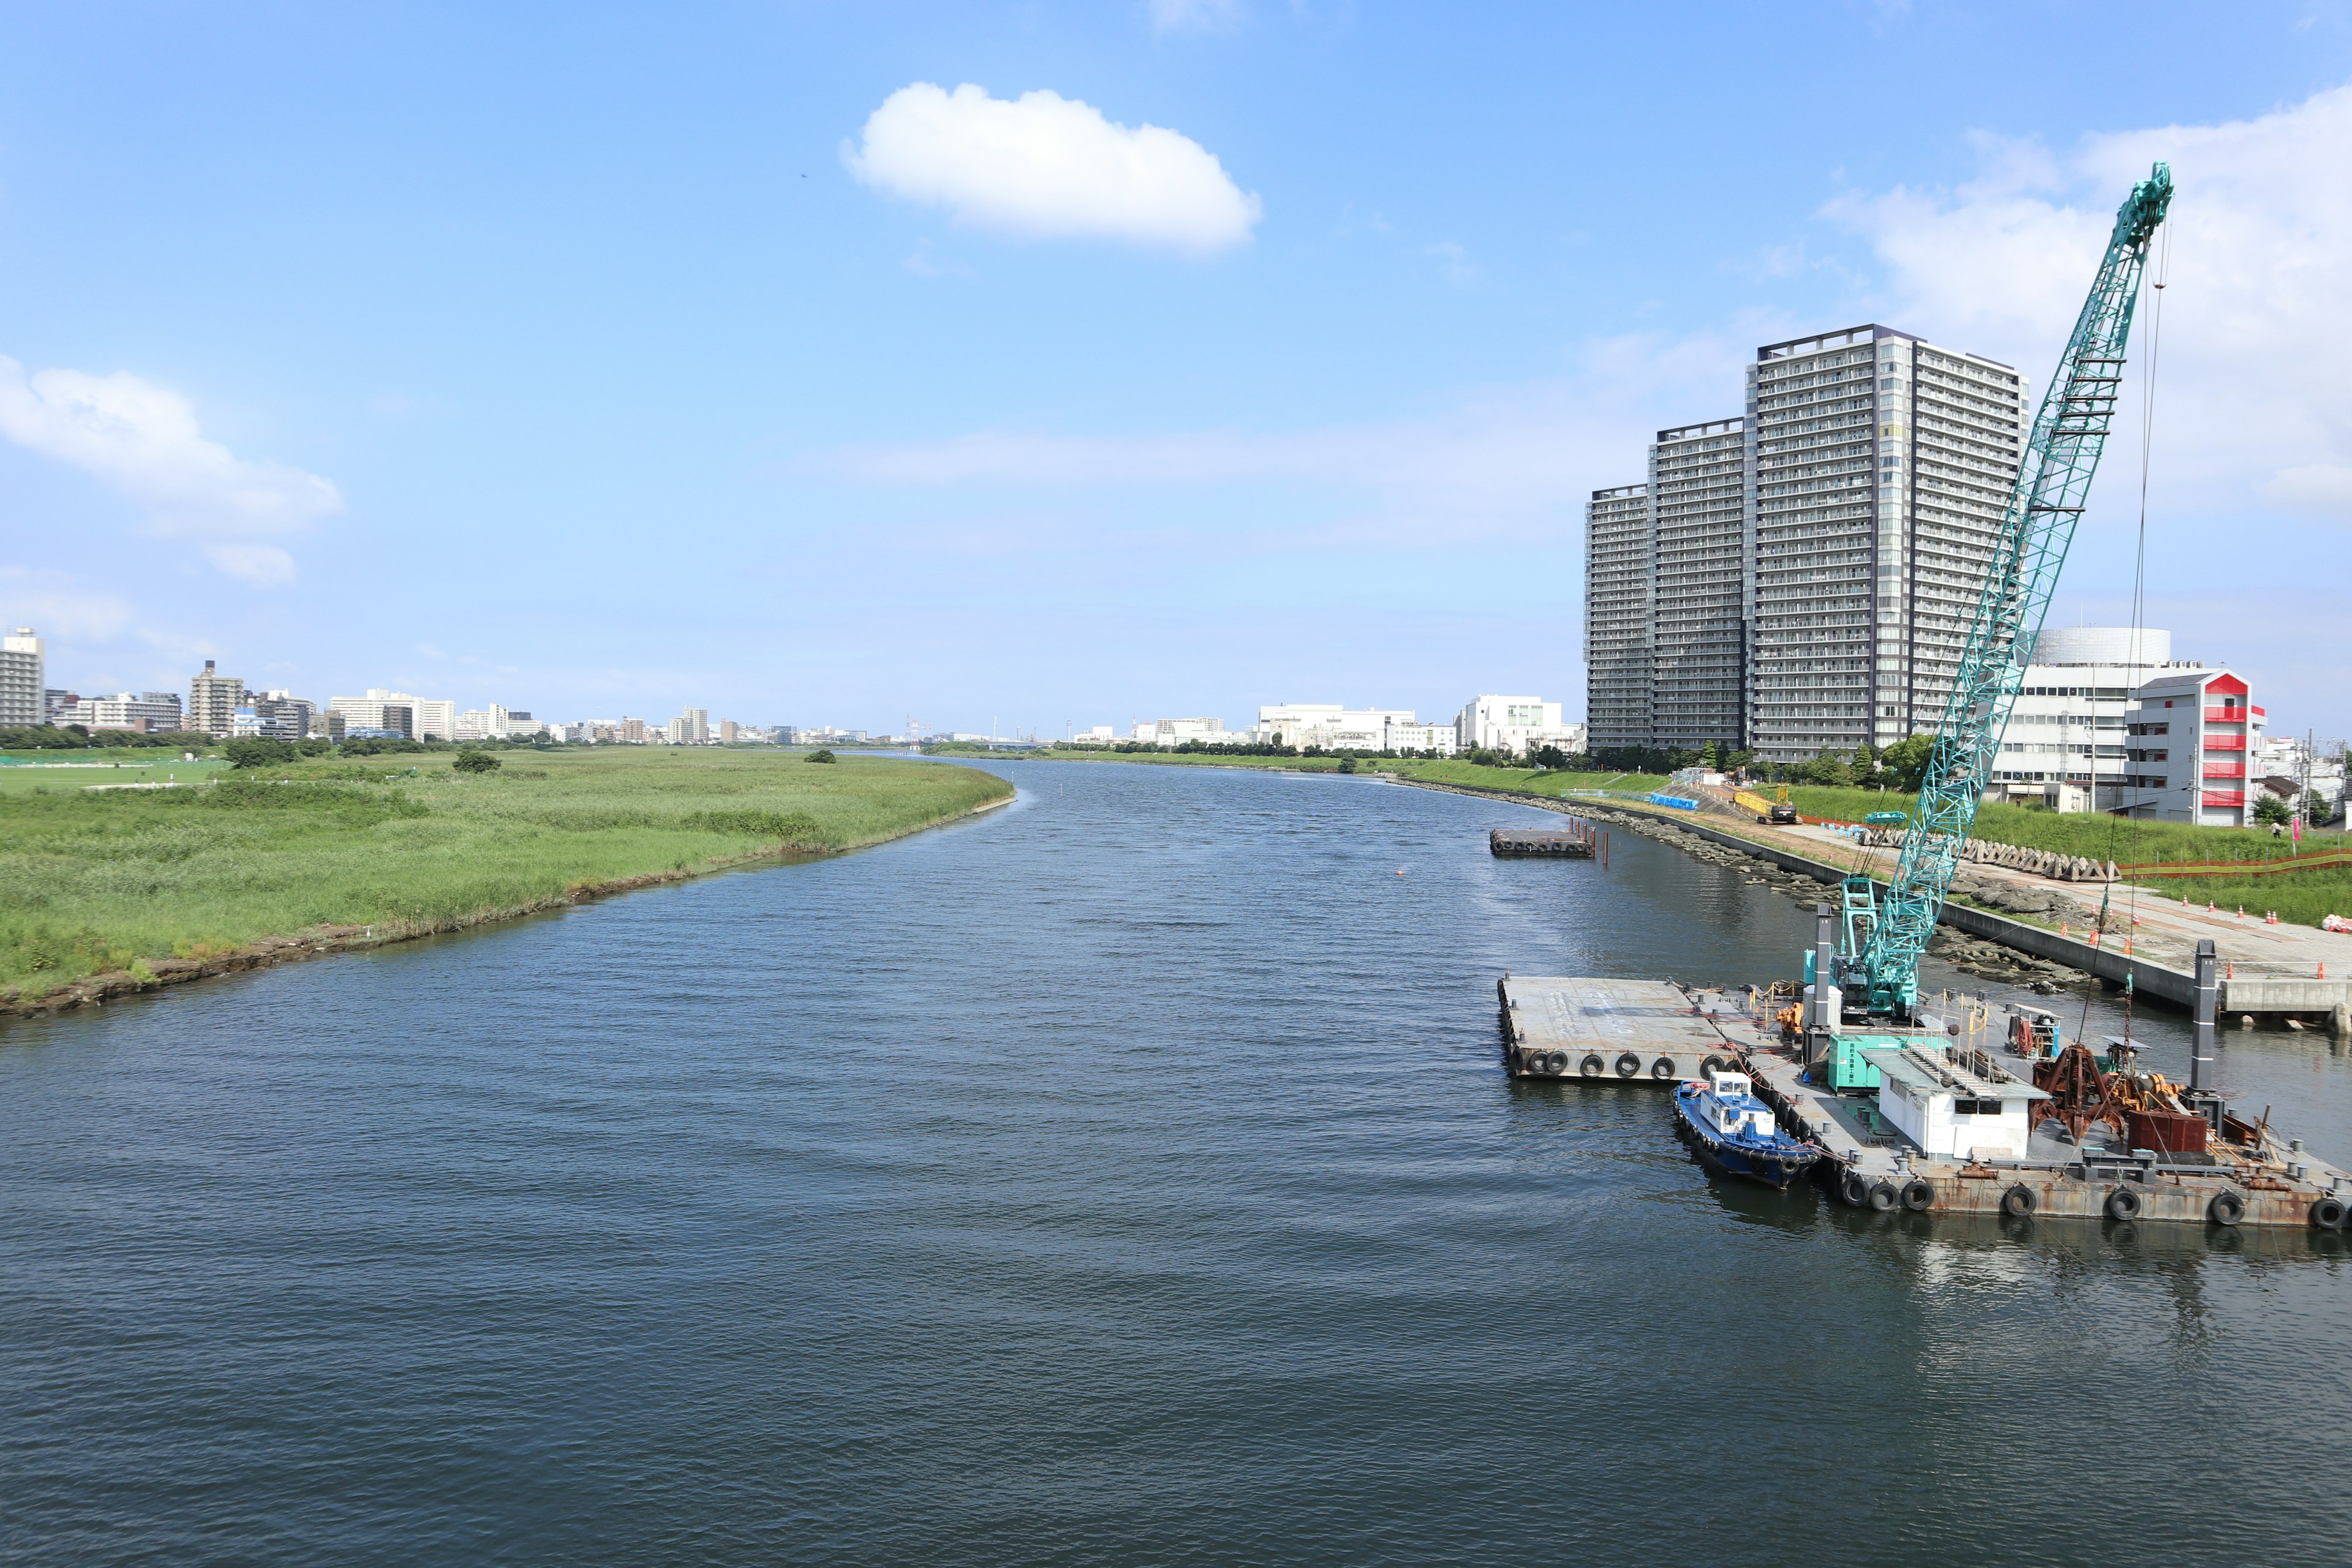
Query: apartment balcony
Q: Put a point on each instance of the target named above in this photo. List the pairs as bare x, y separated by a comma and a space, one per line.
2225, 798
2226, 715
2225, 770
2225, 743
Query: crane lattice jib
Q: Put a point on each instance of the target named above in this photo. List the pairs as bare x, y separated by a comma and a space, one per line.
2052, 483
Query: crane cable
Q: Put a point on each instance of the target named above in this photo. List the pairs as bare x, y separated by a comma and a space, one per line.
2140, 574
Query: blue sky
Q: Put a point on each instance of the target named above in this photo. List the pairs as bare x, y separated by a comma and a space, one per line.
602, 361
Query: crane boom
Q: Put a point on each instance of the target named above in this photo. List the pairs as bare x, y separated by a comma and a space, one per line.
1884, 948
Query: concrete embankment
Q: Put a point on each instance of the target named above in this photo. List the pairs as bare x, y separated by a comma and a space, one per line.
1978, 940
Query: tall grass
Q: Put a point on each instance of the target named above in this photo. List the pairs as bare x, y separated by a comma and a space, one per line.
92, 881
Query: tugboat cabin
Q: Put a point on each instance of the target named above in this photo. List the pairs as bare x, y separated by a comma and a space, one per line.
1731, 1108
1956, 1102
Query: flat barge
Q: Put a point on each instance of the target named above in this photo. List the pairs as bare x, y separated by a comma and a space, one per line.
1579, 842
1954, 1126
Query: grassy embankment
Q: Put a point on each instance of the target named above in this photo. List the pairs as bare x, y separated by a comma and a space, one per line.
98, 881
1527, 781
2302, 897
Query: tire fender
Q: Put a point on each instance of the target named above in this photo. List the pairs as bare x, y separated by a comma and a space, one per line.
2017, 1201
2123, 1204
1918, 1194
2227, 1207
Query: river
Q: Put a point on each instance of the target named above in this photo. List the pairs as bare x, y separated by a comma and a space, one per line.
1125, 1176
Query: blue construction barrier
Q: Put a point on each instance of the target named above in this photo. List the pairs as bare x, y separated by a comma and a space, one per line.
1678, 802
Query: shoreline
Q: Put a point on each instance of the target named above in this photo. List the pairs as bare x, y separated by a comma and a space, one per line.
322, 942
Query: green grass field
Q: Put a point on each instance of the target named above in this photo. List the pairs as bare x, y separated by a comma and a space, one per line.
44, 775
90, 880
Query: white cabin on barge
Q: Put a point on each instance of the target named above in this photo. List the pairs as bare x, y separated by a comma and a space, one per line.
1954, 1101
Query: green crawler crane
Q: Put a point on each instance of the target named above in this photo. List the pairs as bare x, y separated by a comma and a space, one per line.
1878, 961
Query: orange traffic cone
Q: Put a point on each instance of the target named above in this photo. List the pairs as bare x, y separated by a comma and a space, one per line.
2270, 919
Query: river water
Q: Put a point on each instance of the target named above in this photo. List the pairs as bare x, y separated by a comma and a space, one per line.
1125, 1176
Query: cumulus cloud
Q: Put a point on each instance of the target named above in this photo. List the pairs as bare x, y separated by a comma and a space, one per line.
1045, 166
144, 440
2250, 403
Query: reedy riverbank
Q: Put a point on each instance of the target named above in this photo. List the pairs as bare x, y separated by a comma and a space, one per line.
112, 890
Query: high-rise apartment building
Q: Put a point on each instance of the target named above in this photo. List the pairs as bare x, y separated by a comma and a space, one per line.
1879, 470
1803, 577
23, 682
1698, 631
1617, 616
212, 701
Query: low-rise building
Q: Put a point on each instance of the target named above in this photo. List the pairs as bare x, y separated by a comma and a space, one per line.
423, 718
2191, 733
145, 712
2066, 741
1518, 725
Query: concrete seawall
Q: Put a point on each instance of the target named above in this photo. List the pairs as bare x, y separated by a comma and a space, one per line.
2149, 979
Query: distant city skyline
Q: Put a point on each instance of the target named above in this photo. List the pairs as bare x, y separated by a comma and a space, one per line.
786, 383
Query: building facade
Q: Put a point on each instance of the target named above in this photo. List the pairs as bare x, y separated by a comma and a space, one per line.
1518, 725
212, 701
2067, 739
1698, 626
146, 713
1880, 468
2192, 735
1617, 630
1803, 576
24, 681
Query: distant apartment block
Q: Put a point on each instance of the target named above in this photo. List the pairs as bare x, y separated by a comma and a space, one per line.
1334, 727
276, 715
24, 681
212, 701
384, 713
495, 722
145, 712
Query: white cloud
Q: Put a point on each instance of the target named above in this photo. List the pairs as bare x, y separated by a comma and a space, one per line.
1045, 166
1194, 16
144, 440
2250, 407
263, 565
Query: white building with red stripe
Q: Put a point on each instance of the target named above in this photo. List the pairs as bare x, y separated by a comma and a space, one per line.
2192, 736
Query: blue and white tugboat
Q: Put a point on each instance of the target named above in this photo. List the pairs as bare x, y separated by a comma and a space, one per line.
1736, 1133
